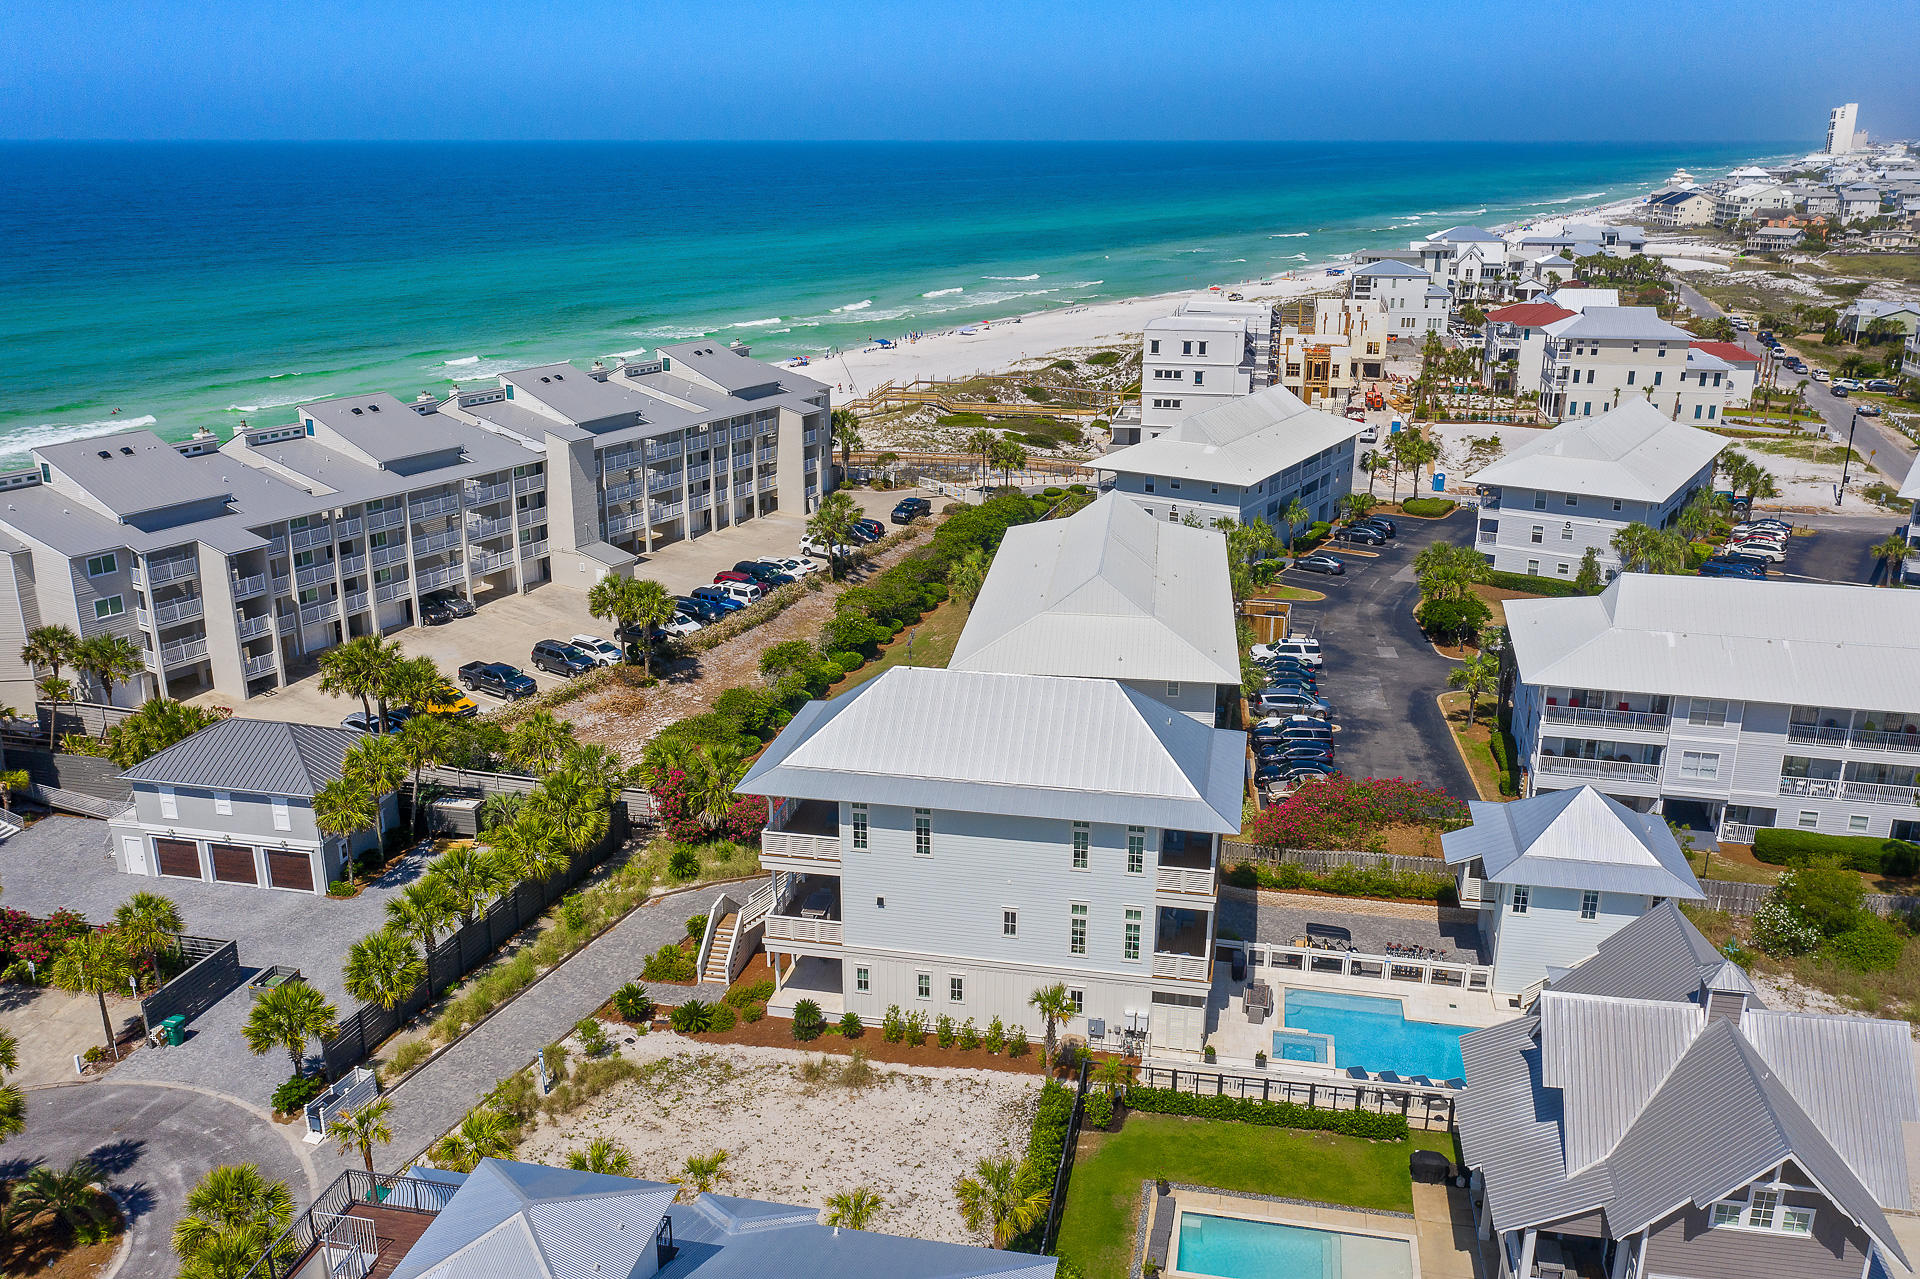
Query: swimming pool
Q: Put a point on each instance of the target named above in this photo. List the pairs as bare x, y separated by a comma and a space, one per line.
1235, 1248
1374, 1034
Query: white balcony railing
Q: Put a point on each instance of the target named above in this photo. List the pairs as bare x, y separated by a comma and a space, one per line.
1185, 879
434, 507
766, 456
245, 588
312, 535
1178, 967
530, 515
434, 543
1590, 717
355, 602
533, 550
381, 556
478, 530
352, 565
618, 524
283, 584
321, 611
343, 529
528, 483
492, 563
823, 932
1460, 974
621, 492
666, 510
1862, 792
390, 590
699, 472
661, 450
1473, 890
178, 611
378, 520
786, 845
255, 667
438, 577
743, 432
308, 574
1611, 769
481, 494
161, 571
181, 652
247, 628
767, 481
659, 481
743, 489
1860, 738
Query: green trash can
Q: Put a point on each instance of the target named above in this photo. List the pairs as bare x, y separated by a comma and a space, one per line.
175, 1028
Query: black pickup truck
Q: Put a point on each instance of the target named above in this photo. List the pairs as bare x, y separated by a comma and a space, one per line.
497, 678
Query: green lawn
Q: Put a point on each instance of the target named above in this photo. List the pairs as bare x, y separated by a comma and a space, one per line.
933, 638
1103, 1197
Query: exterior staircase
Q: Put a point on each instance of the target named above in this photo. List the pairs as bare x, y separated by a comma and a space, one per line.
720, 954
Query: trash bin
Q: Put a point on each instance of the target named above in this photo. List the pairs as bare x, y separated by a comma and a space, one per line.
175, 1028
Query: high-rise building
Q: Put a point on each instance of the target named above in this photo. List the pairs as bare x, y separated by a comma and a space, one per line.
1842, 130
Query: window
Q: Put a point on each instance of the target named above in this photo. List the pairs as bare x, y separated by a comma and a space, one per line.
1077, 937
956, 990
1533, 568
1538, 535
1561, 568
1521, 894
1009, 923
1153, 347
1202, 350
859, 825
168, 806
1617, 504
1726, 1213
1857, 823
282, 819
1696, 410
1703, 765
1078, 998
101, 565
223, 803
1199, 376
1136, 849
1630, 373
112, 606
923, 985
1186, 348
1710, 712
1808, 819
923, 832
862, 980
1082, 841
1173, 689
1133, 932
1566, 532
1572, 499
1589, 904
1657, 375
1539, 501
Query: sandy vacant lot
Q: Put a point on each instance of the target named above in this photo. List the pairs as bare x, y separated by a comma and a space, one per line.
908, 1137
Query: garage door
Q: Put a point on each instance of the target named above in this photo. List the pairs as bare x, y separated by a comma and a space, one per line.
233, 863
290, 870
178, 857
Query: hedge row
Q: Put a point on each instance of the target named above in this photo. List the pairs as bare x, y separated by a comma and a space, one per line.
1894, 858
1346, 881
1431, 507
1532, 585
1273, 1114
1505, 751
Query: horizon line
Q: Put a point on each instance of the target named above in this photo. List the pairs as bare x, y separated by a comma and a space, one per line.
875, 141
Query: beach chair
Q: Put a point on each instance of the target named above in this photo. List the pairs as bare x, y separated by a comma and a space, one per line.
1455, 1084
1420, 1081
1354, 1072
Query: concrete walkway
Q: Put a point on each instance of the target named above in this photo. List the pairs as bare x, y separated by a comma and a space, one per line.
435, 1098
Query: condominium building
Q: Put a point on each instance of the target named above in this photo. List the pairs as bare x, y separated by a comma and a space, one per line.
1245, 460
1208, 351
1649, 1115
1515, 341
1546, 503
1111, 593
1742, 369
1672, 210
1842, 126
1609, 355
1751, 200
1414, 304
1725, 705
949, 841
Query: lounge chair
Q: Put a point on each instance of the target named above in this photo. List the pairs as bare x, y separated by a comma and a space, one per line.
1420, 1081
1388, 1077
1354, 1072
1455, 1084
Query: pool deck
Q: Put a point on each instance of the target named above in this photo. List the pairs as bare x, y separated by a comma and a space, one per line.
1272, 918
1440, 1228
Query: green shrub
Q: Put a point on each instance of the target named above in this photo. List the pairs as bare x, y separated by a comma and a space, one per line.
1273, 1114
1050, 1122
758, 992
297, 1092
809, 1023
669, 963
996, 1036
1428, 507
1097, 1110
340, 888
1104, 358
1780, 846
683, 864
725, 1017
633, 1003
695, 1017
406, 1057
752, 1013
1532, 585
1017, 1042
850, 1027
696, 926
1505, 752
893, 1026
1343, 881
593, 1040
1872, 945
943, 1031
1053, 491
969, 1035
1453, 619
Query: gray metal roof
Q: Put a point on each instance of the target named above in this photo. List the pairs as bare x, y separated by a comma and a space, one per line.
1110, 592
1022, 745
1607, 1057
1634, 451
1242, 442
256, 756
1660, 955
1619, 322
736, 372
577, 395
1387, 268
384, 431
1772, 641
1575, 838
1466, 235
131, 472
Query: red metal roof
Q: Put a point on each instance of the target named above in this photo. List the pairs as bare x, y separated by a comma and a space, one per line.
1731, 352
1530, 315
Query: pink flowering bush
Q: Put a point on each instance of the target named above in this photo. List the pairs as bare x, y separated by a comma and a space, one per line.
1347, 812
37, 941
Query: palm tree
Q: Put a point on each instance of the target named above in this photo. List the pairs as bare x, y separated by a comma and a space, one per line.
854, 1209
1370, 463
527, 848
378, 762
832, 523
1054, 1007
968, 575
1009, 457
423, 742
51, 647
1113, 1074
363, 1129
711, 775
72, 1194
287, 1016
157, 725
228, 1254
383, 968
483, 1134
1354, 506
231, 1217
539, 742
1476, 674
603, 1155
420, 910
471, 879
13, 1102
148, 925
110, 659
1893, 552
704, 1172
418, 684
93, 964
846, 433
501, 808
54, 690
1633, 544
653, 607
1296, 514
345, 806
362, 667
980, 443
1001, 1198
13, 781
574, 806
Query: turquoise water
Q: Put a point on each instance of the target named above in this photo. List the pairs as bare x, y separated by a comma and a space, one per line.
1233, 1248
1300, 1045
200, 284
1375, 1035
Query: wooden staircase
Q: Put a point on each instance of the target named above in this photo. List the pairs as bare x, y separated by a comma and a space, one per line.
720, 954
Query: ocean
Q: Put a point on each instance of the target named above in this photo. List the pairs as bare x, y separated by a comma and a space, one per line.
191, 285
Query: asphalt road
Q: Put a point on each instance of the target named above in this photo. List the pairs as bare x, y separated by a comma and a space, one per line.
1839, 549
152, 1143
1891, 455
1381, 674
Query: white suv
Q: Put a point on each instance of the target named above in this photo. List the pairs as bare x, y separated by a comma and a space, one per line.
812, 546
793, 566
1306, 651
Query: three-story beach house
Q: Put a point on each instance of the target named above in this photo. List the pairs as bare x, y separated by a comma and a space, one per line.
1208, 351
1415, 305
1725, 705
1608, 356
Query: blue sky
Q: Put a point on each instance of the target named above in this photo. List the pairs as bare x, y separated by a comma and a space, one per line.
1695, 70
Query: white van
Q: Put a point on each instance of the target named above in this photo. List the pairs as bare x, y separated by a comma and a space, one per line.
1302, 649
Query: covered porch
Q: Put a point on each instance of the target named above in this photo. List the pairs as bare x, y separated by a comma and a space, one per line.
798, 977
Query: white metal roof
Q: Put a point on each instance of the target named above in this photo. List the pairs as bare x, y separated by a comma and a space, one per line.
1242, 442
1575, 838
1791, 643
1634, 451
1110, 592
1024, 745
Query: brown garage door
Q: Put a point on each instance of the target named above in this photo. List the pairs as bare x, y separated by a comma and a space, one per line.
290, 870
178, 857
233, 863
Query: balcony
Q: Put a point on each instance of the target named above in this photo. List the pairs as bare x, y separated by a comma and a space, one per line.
343, 529
1185, 865
810, 436
1587, 717
378, 520
530, 515
661, 450
1601, 769
180, 652
178, 611
766, 457
282, 584
160, 571
661, 511
436, 543
356, 602
245, 588
479, 530
618, 524
699, 472
659, 481
310, 574
312, 535
1857, 738
743, 432
381, 556
1860, 792
529, 483
1182, 938
623, 492
361, 1227
438, 577
533, 550
807, 912
432, 507
743, 489
801, 835
255, 667
321, 611
390, 590
247, 628
352, 565
483, 564
481, 494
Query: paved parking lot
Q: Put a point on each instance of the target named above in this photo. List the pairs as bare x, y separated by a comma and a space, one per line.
1839, 549
506, 629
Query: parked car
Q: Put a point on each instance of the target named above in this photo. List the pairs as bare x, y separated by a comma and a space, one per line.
1757, 548
874, 527
1321, 732
1284, 664
811, 545
1298, 647
443, 606
794, 566
1382, 522
603, 652
459, 705
1302, 771
1321, 564
1279, 723
699, 610
1881, 386
1292, 675
909, 509
1296, 747
1796, 366
556, 657
1763, 526
735, 575
1277, 701
743, 593
1850, 383
1720, 566
1869, 409
1821, 375
359, 723
680, 624
717, 597
506, 682
762, 572
1365, 534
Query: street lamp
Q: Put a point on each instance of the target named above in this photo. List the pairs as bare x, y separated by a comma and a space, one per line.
1847, 457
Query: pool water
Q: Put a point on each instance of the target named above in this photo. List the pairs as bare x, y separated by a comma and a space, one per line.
1234, 1248
1302, 1045
1374, 1034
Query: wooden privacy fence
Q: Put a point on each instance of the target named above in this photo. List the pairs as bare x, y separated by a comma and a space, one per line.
638, 803
1321, 860
1057, 1204
463, 950
213, 970
1746, 899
